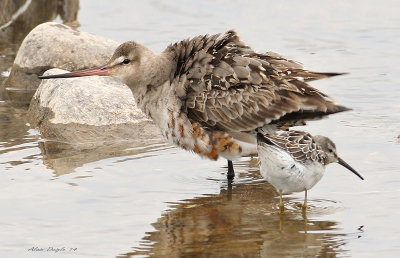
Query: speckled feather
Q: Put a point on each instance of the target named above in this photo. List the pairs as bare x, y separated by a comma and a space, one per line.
299, 144
225, 85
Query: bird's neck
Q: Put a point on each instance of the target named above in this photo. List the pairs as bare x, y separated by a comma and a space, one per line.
153, 90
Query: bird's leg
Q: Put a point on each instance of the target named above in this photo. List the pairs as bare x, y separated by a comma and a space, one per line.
231, 173
305, 201
281, 207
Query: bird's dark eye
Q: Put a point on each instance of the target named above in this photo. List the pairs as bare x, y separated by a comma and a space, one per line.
126, 61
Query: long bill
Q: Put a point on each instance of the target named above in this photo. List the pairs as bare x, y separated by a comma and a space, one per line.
344, 164
99, 70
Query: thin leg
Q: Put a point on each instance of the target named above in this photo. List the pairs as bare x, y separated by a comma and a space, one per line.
231, 173
280, 201
305, 201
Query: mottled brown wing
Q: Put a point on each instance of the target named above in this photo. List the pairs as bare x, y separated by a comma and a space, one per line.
224, 84
299, 144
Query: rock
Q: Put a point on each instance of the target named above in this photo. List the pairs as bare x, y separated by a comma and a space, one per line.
9, 7
51, 45
88, 110
18, 17
85, 111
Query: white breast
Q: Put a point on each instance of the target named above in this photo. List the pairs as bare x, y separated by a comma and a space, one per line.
286, 174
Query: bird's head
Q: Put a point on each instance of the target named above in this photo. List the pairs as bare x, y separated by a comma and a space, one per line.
329, 147
128, 63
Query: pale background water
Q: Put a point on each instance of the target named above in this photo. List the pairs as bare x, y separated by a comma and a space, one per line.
162, 201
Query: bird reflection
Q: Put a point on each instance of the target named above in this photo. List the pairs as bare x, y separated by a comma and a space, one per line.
243, 219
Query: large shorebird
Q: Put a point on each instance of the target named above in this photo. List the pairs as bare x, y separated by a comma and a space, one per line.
210, 93
294, 161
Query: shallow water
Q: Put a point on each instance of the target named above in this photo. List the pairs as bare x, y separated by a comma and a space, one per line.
151, 199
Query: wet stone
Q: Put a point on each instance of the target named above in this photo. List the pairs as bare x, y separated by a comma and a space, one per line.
54, 45
88, 109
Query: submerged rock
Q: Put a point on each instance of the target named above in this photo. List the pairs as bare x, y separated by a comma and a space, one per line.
64, 158
88, 110
54, 45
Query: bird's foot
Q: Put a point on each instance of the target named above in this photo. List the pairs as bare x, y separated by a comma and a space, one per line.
304, 211
302, 206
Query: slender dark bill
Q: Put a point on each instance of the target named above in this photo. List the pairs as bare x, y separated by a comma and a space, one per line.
99, 70
344, 164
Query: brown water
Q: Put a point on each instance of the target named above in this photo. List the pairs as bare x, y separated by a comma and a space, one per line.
151, 199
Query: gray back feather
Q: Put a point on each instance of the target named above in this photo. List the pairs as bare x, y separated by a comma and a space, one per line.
299, 144
224, 84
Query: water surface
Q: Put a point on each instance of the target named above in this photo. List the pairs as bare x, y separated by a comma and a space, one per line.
151, 199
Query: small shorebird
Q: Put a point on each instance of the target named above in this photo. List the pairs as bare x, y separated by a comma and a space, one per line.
294, 161
208, 94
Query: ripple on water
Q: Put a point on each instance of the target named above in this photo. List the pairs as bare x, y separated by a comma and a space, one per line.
241, 218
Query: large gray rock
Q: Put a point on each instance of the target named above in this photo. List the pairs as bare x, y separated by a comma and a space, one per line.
88, 110
51, 45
